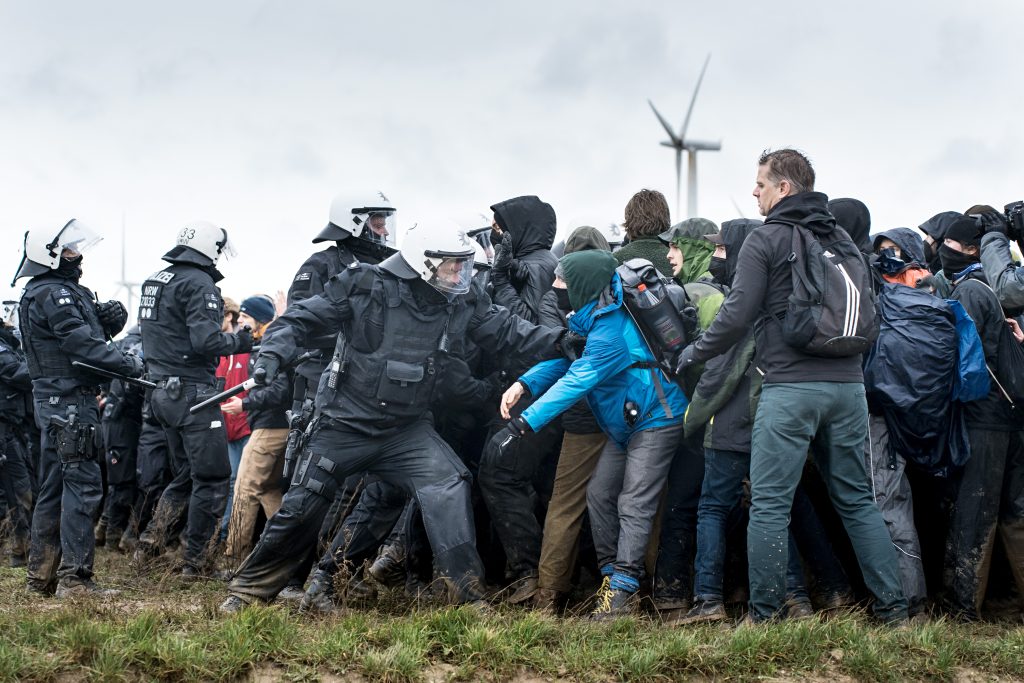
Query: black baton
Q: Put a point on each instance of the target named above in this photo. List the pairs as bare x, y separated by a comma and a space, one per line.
115, 375
245, 386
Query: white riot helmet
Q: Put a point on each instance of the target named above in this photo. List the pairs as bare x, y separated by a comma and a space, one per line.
207, 239
441, 256
367, 215
43, 248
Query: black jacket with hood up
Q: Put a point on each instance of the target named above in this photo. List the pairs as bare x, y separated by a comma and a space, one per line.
531, 223
759, 294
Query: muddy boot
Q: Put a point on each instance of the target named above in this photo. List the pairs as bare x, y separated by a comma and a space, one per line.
232, 605
319, 597
546, 600
75, 588
525, 589
389, 568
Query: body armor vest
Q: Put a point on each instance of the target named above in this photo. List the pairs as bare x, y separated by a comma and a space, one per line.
388, 356
42, 348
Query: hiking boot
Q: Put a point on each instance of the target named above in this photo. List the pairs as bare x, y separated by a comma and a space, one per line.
319, 597
291, 594
389, 568
613, 603
232, 605
18, 561
75, 589
703, 612
190, 573
546, 600
526, 588
799, 608
41, 589
129, 541
837, 601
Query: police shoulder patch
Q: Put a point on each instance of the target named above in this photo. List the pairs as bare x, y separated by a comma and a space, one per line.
303, 276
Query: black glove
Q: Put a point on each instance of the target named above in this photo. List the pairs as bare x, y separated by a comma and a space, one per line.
132, 365
503, 259
571, 345
993, 221
113, 316
244, 336
264, 370
684, 360
510, 435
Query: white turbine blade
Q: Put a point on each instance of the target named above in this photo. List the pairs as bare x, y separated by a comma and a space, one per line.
664, 123
737, 207
693, 100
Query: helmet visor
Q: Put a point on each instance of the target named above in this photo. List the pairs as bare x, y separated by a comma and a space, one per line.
377, 224
451, 275
75, 238
227, 247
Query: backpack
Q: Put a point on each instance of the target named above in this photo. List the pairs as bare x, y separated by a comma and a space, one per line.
1008, 374
831, 311
660, 308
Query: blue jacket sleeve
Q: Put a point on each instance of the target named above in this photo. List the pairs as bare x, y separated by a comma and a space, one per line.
605, 356
541, 376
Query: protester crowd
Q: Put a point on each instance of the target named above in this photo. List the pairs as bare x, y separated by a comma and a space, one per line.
484, 416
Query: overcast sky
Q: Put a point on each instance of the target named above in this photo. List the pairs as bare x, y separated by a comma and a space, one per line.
255, 114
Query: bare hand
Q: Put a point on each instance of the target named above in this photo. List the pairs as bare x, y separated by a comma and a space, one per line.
1018, 334
232, 406
510, 398
280, 302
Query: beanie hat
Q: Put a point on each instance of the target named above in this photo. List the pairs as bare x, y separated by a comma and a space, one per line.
587, 274
965, 230
260, 308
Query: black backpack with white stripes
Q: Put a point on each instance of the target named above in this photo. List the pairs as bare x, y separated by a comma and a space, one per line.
831, 311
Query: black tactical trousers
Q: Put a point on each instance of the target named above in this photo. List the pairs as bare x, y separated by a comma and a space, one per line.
62, 545
507, 486
198, 449
121, 437
990, 499
364, 530
152, 473
414, 458
16, 490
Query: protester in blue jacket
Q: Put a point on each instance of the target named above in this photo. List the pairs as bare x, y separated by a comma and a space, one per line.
638, 407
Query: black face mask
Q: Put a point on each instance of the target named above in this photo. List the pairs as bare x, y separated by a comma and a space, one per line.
954, 261
718, 269
563, 299
70, 268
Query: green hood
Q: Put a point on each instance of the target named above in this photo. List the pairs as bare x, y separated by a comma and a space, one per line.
696, 258
586, 237
587, 274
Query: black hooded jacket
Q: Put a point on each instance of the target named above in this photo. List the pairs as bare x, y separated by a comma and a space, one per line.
853, 217
531, 223
936, 227
734, 234
759, 294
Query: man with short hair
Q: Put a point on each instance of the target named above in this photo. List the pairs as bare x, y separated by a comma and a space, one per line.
805, 398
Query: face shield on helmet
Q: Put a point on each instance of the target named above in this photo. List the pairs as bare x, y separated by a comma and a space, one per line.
75, 238
375, 224
442, 257
44, 250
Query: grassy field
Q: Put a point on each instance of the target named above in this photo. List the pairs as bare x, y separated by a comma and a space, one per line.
163, 629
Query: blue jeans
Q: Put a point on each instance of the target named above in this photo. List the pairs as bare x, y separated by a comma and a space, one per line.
789, 417
722, 491
235, 449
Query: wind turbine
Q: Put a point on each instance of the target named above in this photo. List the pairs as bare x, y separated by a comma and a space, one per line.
681, 142
124, 285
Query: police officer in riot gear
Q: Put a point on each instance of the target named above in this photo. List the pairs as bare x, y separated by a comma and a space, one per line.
361, 227
15, 463
394, 323
61, 322
180, 314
